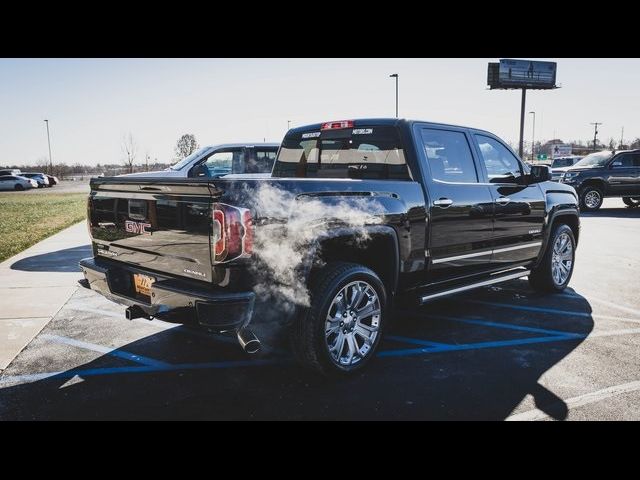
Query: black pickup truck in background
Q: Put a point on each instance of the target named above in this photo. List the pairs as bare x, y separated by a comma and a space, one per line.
605, 174
357, 214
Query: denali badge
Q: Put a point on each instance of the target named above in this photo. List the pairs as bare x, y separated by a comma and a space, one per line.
137, 227
193, 272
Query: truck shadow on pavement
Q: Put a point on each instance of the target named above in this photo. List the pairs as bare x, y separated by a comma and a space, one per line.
60, 261
473, 357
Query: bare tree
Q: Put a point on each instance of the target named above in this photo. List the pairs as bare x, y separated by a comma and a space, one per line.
635, 144
130, 150
186, 145
612, 144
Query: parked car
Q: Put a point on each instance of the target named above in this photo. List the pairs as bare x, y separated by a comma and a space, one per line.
11, 171
41, 178
218, 160
445, 209
13, 182
560, 165
53, 180
606, 174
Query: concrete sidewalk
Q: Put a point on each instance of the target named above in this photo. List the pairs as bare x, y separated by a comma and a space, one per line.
35, 284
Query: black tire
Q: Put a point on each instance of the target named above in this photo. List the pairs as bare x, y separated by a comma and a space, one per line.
308, 340
586, 194
631, 201
541, 278
18, 188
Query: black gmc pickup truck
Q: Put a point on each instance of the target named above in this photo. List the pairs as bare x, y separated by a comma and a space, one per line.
357, 215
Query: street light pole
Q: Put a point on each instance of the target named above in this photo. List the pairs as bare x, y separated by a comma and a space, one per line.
49, 143
288, 125
395, 75
533, 136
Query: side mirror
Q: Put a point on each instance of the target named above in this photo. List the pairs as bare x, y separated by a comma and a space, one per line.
200, 170
540, 173
616, 164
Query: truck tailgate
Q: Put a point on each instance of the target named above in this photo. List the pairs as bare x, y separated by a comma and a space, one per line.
158, 227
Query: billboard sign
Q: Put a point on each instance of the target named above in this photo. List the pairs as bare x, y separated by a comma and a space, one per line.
526, 73
560, 150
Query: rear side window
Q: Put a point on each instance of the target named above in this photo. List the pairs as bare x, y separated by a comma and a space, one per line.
261, 161
449, 156
364, 152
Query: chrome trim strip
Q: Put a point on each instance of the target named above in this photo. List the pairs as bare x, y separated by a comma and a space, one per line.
518, 247
480, 254
460, 257
475, 285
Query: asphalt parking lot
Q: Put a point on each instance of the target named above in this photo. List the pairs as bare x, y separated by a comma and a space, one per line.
492, 354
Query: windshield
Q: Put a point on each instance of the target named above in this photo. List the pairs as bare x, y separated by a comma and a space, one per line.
597, 159
187, 160
373, 153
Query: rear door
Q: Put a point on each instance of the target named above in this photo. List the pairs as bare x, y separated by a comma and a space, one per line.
159, 227
461, 206
519, 208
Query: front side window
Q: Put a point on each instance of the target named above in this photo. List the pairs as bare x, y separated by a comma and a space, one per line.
449, 156
501, 165
223, 163
623, 161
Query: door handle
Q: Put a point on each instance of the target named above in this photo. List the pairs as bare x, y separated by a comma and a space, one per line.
503, 200
443, 202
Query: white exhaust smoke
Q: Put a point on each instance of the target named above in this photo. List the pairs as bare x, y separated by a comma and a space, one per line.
286, 226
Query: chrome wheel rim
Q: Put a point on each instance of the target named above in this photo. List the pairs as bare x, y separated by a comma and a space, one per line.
562, 259
352, 324
592, 199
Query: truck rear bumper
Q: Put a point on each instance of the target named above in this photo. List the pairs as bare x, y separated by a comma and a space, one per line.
171, 299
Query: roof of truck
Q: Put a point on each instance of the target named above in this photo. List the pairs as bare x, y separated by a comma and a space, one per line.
382, 122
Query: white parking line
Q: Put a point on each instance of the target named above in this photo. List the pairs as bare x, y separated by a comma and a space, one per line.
615, 305
580, 400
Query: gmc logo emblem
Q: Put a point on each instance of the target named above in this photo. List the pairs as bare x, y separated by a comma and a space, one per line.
137, 227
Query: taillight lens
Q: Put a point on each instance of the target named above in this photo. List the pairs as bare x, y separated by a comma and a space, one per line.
232, 232
218, 236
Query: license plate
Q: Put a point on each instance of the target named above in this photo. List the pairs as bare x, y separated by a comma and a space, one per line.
142, 284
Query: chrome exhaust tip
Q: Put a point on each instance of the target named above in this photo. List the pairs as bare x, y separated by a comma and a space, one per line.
248, 341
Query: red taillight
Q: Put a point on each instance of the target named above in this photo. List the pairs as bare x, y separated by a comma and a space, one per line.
247, 240
336, 125
232, 232
218, 234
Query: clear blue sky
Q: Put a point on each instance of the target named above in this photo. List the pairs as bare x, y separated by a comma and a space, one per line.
92, 103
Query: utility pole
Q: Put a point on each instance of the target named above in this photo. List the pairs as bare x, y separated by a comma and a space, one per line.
595, 133
288, 125
622, 138
521, 145
49, 143
395, 75
147, 163
533, 136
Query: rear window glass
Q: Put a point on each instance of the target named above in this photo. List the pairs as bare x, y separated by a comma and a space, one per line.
363, 152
